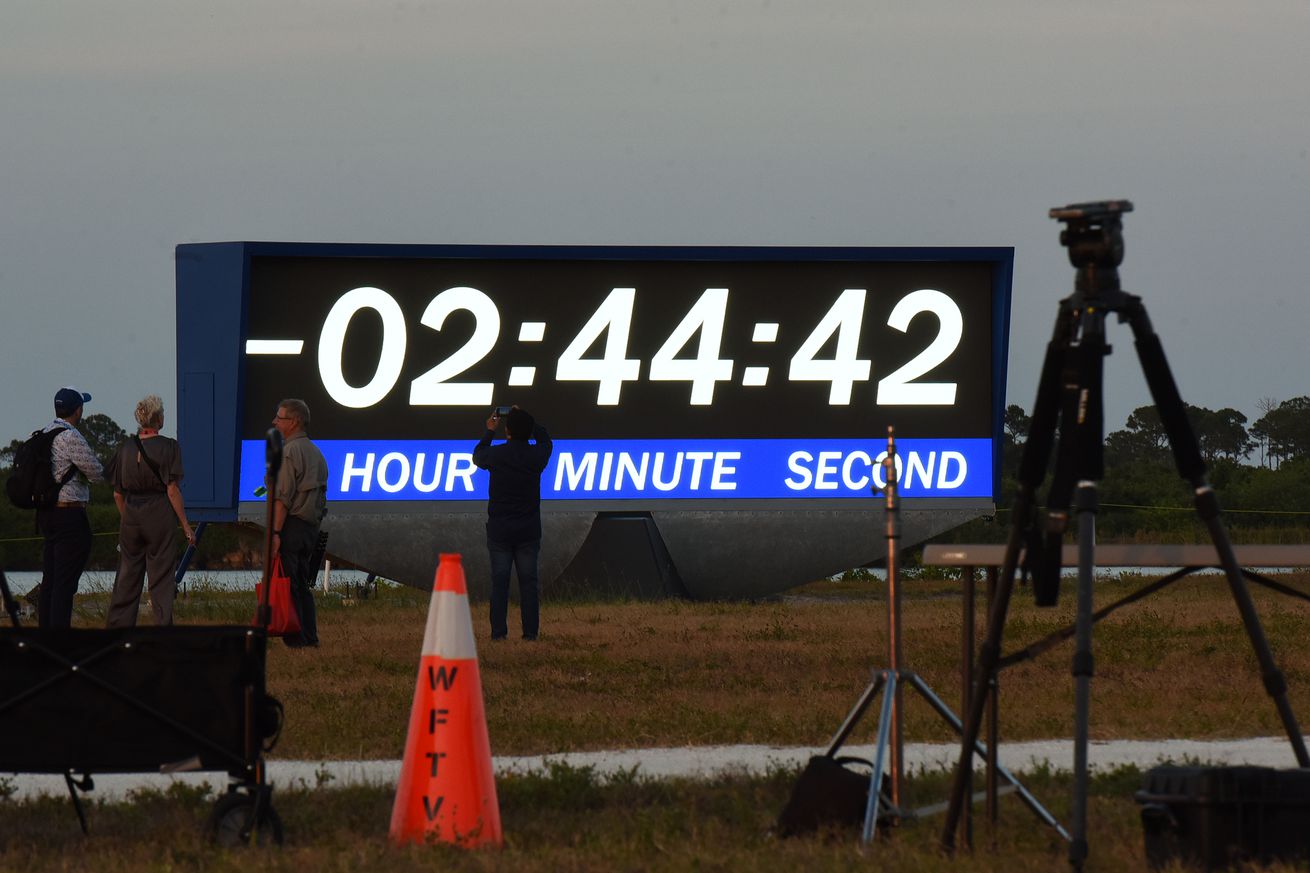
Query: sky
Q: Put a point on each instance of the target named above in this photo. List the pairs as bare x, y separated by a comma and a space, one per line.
131, 127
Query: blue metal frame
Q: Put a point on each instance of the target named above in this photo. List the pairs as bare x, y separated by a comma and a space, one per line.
1002, 278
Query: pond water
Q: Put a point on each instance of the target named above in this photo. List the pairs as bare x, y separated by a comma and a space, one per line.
20, 582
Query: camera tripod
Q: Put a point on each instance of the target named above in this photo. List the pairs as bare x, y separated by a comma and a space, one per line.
1069, 401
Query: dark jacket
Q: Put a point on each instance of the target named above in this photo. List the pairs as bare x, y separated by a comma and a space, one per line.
514, 494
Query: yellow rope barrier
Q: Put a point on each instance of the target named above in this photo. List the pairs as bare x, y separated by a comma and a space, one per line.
1193, 509
1291, 512
108, 533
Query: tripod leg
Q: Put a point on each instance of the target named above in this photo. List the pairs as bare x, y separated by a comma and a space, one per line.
950, 718
1191, 466
880, 755
843, 732
1045, 558
11, 606
1086, 430
1032, 469
1083, 670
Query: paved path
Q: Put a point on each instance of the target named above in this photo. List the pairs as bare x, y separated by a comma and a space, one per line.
704, 761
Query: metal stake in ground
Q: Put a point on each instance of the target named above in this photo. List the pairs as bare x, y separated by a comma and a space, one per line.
892, 515
891, 740
1069, 400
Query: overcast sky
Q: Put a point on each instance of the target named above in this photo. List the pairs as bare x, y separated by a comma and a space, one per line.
129, 127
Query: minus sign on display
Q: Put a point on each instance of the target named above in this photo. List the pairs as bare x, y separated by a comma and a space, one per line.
274, 347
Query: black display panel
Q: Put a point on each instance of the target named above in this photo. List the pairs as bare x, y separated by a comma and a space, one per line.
423, 348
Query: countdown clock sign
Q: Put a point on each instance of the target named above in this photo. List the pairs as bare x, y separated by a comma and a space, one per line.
724, 375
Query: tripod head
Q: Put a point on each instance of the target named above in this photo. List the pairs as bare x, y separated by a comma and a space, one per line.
1093, 234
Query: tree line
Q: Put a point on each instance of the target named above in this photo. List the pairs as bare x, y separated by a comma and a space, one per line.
1282, 433
20, 546
1260, 470
102, 433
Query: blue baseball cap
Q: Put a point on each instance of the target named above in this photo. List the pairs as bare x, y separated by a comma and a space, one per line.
69, 399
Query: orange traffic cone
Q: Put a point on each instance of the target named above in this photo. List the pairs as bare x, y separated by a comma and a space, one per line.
447, 791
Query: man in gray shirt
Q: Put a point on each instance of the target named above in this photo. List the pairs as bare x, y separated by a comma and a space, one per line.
299, 504
64, 526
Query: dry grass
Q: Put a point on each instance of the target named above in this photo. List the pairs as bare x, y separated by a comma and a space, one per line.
568, 820
627, 674
669, 673
607, 675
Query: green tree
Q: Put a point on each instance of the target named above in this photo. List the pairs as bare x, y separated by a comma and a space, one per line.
1015, 435
1285, 490
1017, 424
7, 453
103, 435
1285, 430
1259, 440
1220, 433
1142, 440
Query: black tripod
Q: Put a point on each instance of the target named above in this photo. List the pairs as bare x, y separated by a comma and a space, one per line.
1069, 400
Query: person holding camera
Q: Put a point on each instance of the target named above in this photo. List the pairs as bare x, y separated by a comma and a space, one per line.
514, 513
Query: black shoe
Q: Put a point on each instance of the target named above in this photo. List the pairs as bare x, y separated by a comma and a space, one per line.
497, 637
530, 637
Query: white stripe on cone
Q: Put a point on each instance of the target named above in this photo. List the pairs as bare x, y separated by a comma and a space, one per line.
449, 632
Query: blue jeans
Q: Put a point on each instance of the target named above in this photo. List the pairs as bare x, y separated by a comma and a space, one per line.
523, 556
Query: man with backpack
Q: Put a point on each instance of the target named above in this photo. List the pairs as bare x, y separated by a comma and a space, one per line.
63, 521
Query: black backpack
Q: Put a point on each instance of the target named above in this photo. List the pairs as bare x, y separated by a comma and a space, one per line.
32, 484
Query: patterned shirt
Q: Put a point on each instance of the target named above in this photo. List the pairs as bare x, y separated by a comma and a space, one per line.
70, 449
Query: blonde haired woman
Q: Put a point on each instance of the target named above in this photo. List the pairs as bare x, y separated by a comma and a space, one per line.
145, 472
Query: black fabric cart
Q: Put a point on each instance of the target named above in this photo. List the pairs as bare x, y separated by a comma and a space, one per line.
150, 699
130, 700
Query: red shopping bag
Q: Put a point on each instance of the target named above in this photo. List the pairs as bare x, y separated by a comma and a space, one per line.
283, 620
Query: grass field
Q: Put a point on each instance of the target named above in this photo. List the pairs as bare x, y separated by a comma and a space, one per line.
565, 820
670, 673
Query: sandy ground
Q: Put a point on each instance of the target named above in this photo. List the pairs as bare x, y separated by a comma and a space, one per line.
704, 761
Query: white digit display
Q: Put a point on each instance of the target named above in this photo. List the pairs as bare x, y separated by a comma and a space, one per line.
598, 352
896, 389
707, 316
843, 369
433, 388
333, 339
614, 319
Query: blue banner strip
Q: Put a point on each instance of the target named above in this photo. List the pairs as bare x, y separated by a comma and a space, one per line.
678, 469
